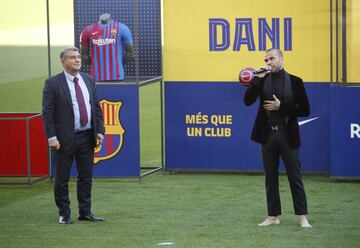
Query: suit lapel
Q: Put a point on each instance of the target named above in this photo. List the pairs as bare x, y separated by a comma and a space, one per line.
88, 86
66, 91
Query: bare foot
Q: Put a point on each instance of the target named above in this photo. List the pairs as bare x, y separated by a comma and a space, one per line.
270, 220
303, 221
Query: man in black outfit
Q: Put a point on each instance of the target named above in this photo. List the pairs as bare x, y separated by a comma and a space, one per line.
282, 99
74, 126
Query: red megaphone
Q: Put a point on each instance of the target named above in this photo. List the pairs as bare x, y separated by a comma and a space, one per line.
246, 76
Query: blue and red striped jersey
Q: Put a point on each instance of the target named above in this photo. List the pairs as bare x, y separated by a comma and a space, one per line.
106, 44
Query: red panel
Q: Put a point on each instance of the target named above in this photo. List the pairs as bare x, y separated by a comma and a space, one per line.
38, 147
13, 148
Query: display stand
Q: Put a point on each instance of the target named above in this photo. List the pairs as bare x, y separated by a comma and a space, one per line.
120, 155
120, 99
127, 162
24, 157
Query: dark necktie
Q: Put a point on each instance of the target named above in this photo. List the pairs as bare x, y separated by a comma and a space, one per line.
81, 103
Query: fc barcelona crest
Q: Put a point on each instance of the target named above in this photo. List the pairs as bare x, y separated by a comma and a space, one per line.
114, 132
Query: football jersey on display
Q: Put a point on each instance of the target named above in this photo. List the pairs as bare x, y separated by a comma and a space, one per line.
106, 45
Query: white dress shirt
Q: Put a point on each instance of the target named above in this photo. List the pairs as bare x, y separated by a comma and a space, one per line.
85, 92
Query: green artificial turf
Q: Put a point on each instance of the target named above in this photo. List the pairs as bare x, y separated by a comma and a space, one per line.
201, 210
23, 72
150, 125
22, 96
20, 63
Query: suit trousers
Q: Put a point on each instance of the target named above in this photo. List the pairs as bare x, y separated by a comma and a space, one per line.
82, 150
278, 146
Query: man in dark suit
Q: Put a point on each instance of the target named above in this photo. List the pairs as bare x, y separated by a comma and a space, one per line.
74, 126
282, 99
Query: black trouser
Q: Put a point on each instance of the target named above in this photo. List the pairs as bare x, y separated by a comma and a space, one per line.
83, 152
276, 146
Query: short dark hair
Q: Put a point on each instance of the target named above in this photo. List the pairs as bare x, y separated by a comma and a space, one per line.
68, 49
279, 52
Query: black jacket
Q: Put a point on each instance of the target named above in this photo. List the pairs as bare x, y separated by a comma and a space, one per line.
58, 113
298, 108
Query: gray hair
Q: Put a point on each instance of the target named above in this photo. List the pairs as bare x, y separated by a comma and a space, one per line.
68, 49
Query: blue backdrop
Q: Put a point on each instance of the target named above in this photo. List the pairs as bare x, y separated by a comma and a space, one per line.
126, 163
208, 127
345, 131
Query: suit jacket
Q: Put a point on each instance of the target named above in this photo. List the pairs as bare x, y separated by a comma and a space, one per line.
297, 108
58, 113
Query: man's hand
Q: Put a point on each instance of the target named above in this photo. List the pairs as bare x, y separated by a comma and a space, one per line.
261, 75
54, 144
272, 105
100, 139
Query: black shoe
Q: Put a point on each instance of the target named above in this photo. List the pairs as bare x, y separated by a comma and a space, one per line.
64, 220
90, 217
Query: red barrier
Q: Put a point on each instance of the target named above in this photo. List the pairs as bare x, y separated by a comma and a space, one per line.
23, 146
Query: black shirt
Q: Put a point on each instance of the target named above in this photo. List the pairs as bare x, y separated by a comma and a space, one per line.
277, 89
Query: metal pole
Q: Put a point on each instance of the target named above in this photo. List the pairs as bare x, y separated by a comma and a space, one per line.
162, 95
162, 124
136, 41
28, 150
331, 43
343, 42
337, 41
48, 36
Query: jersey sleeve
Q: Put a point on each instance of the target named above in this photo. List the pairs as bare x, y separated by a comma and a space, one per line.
84, 37
126, 35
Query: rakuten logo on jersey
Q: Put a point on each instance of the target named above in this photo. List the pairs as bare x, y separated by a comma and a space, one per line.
102, 42
354, 130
